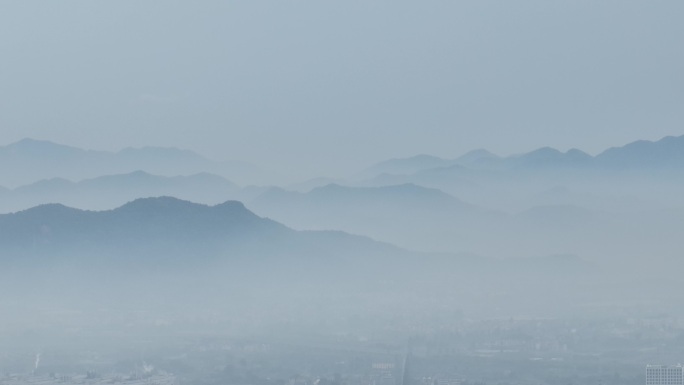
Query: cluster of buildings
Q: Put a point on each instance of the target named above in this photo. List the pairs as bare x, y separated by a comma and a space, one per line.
90, 378
664, 375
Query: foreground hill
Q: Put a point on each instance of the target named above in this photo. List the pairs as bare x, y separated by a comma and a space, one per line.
168, 255
175, 233
165, 229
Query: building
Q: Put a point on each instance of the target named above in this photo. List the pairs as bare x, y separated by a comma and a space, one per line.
664, 375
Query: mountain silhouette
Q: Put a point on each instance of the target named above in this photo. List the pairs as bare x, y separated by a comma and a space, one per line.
405, 165
395, 198
407, 215
550, 157
109, 191
666, 154
151, 230
34, 160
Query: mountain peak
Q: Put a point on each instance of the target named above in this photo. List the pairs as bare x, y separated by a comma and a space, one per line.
575, 153
156, 203
28, 142
545, 151
168, 205
35, 145
476, 155
549, 156
668, 152
398, 166
46, 210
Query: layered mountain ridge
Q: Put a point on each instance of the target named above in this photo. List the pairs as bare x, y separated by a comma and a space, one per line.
667, 153
33, 160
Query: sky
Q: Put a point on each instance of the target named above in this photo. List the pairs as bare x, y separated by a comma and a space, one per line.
328, 87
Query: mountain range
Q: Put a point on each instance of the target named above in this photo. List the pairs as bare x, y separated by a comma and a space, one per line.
666, 153
540, 203
639, 176
153, 229
429, 220
409, 215
109, 191
34, 160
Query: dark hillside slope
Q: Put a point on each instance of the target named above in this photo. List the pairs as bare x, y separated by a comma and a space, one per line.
163, 230
166, 254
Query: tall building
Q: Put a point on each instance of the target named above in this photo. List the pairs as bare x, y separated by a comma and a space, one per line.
664, 375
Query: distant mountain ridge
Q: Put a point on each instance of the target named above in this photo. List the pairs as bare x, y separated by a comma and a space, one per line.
666, 153
33, 160
407, 196
109, 191
406, 215
429, 220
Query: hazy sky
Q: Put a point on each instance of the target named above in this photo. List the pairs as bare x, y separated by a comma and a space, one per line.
330, 86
